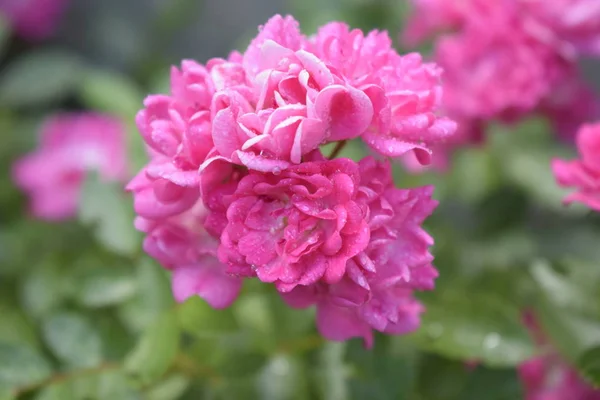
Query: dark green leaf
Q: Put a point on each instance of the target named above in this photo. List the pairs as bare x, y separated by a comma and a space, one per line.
386, 372
505, 383
42, 76
156, 349
589, 366
73, 339
16, 328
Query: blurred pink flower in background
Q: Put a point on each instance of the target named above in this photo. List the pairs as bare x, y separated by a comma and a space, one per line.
71, 145
584, 173
548, 376
508, 60
33, 19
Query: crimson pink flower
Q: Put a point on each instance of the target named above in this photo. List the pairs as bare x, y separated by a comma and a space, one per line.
548, 376
583, 174
405, 92
71, 145
334, 86
297, 227
377, 289
33, 19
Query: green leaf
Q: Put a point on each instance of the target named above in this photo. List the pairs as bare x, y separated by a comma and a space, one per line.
386, 372
106, 286
197, 317
564, 294
571, 332
106, 207
21, 366
492, 384
156, 349
589, 366
153, 296
73, 339
42, 291
16, 328
115, 385
111, 92
7, 394
440, 378
42, 76
59, 391
172, 388
479, 326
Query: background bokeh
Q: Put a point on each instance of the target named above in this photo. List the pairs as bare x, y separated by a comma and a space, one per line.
86, 315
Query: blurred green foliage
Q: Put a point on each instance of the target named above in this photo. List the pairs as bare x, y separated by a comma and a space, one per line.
86, 315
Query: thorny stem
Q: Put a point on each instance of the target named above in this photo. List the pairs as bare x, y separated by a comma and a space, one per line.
64, 377
338, 147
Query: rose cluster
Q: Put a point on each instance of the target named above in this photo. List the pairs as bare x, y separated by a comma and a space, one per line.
506, 60
238, 187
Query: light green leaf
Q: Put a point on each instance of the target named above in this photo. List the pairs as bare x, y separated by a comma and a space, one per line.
42, 291
59, 391
111, 92
110, 211
21, 365
156, 349
106, 286
169, 389
73, 339
564, 294
42, 76
7, 394
153, 296
115, 385
474, 326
